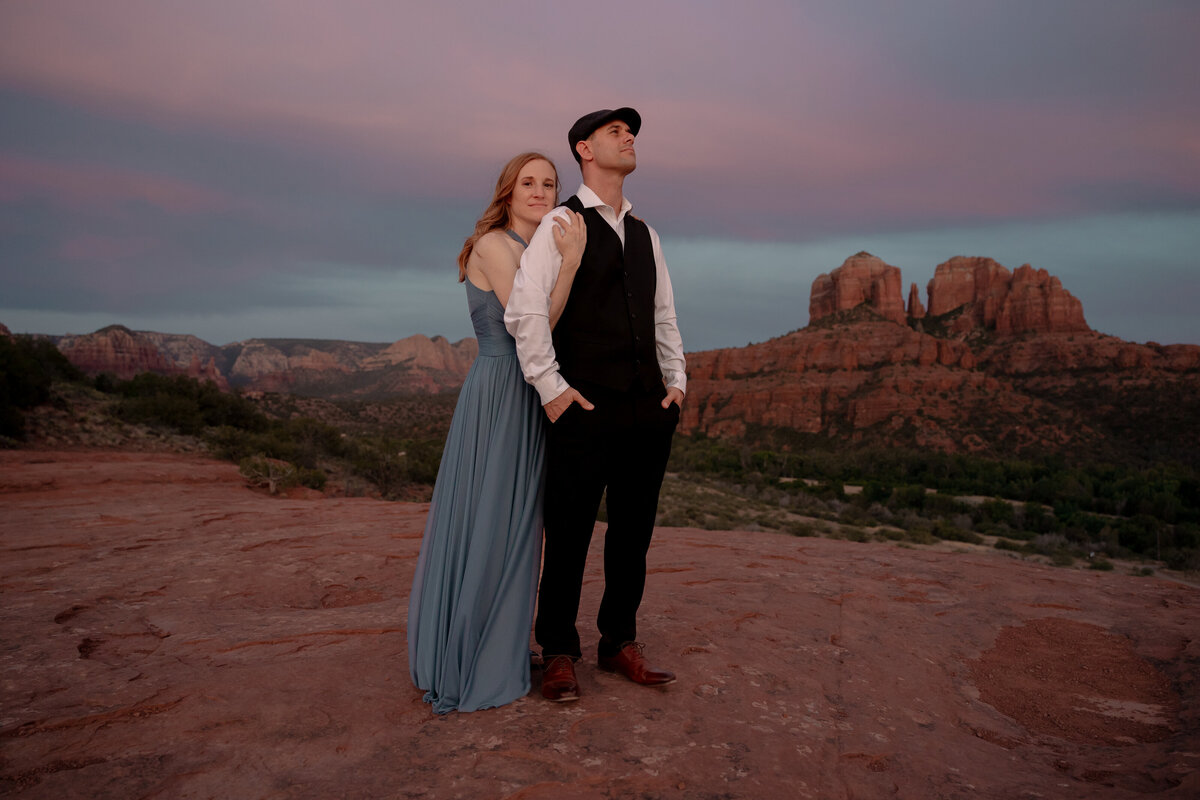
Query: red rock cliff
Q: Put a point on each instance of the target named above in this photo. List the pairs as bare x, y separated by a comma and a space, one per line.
992, 298
118, 350
859, 377
1037, 302
860, 279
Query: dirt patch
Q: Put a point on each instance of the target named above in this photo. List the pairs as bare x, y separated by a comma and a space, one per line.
1076, 681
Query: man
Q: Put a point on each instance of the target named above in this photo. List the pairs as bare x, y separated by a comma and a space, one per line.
611, 379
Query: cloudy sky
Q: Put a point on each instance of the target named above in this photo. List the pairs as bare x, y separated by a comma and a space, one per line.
295, 168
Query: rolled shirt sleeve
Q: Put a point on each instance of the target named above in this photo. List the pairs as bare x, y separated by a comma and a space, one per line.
667, 341
527, 315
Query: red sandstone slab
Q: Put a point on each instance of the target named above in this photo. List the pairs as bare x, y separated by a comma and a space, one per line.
168, 633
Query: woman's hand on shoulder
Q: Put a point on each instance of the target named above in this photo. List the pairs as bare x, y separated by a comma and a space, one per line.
570, 236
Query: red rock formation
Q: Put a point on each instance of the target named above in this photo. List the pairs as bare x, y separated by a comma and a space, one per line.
4, 331
820, 381
425, 353
915, 309
991, 298
910, 387
1037, 303
961, 281
170, 633
320, 368
862, 278
207, 372
118, 350
183, 349
415, 365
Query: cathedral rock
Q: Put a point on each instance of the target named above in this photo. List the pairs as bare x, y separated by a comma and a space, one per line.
983, 294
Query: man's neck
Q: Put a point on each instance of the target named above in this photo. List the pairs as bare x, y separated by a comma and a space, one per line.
608, 187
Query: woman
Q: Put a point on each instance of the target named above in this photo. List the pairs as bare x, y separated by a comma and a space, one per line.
473, 593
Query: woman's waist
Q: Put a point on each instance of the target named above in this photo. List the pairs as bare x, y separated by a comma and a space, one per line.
497, 346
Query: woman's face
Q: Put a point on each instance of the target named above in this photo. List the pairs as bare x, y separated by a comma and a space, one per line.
534, 194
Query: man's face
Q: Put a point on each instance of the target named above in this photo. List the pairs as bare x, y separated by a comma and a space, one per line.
612, 147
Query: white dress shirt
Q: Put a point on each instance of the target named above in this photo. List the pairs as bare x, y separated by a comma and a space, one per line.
527, 315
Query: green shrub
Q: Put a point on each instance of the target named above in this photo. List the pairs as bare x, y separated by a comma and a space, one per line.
998, 511
184, 404
1062, 558
946, 531
28, 367
907, 497
919, 535
803, 529
275, 475
269, 473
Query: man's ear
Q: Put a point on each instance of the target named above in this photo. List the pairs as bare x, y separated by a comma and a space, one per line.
584, 149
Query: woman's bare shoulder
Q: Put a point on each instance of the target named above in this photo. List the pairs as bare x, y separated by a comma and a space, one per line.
497, 246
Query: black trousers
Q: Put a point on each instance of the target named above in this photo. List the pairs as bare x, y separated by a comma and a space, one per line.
621, 445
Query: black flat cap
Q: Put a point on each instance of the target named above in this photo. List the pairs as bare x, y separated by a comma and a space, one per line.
586, 125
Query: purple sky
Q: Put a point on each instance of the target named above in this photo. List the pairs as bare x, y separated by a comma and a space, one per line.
309, 169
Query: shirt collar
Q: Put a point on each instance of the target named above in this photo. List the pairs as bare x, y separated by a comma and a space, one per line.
590, 199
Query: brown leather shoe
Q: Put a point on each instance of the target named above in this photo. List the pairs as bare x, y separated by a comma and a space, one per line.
558, 680
630, 662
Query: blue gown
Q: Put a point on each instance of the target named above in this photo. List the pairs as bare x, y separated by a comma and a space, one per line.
472, 600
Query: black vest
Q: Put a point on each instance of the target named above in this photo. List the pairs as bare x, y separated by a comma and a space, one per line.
605, 335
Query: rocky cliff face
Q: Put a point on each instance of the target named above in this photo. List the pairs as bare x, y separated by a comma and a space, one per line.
1037, 303
988, 297
916, 310
981, 294
1000, 362
995, 362
335, 369
421, 352
118, 350
319, 368
861, 279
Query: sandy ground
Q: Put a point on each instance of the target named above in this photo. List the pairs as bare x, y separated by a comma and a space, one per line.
168, 633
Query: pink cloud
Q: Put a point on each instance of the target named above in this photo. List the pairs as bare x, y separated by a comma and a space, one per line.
87, 186
780, 103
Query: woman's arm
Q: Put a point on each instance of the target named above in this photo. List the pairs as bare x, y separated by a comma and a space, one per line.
570, 235
496, 261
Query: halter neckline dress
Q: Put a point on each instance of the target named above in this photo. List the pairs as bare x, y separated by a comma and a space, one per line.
473, 593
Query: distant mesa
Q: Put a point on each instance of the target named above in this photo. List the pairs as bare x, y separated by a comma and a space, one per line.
996, 362
990, 361
117, 350
982, 294
321, 368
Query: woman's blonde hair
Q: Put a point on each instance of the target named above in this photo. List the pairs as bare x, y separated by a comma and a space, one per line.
497, 217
